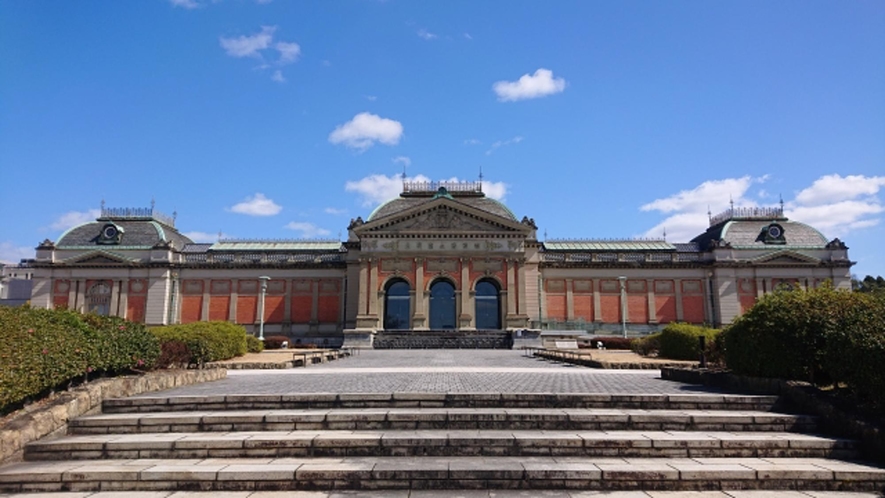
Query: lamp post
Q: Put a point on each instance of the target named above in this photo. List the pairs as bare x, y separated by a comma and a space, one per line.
623, 281
264, 280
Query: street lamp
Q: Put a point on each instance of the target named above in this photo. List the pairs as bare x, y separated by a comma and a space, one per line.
623, 281
264, 280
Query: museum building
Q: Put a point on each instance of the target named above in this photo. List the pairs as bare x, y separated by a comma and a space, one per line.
440, 257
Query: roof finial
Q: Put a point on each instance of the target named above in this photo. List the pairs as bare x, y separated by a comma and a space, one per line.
153, 203
731, 202
219, 236
102, 207
545, 235
782, 203
709, 214
174, 216
665, 234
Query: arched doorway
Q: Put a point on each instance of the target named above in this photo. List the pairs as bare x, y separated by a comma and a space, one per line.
488, 305
442, 305
397, 305
98, 299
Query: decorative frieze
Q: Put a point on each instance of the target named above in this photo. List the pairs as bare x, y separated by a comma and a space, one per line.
430, 245
439, 265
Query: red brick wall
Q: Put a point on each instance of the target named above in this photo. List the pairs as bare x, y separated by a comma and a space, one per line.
610, 305
301, 305
637, 308
219, 308
327, 309
191, 308
247, 309
274, 308
556, 306
747, 302
665, 308
693, 309
60, 301
135, 308
583, 304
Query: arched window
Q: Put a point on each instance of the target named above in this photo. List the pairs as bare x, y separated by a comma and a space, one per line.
442, 305
488, 305
98, 299
397, 305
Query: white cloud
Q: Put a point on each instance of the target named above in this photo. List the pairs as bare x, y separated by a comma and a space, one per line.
402, 160
503, 143
375, 189
74, 218
289, 52
257, 205
472, 141
185, 4
278, 76
837, 205
371, 98
467, 36
541, 84
248, 46
834, 188
427, 35
205, 237
689, 207
13, 254
263, 2
335, 211
365, 129
308, 230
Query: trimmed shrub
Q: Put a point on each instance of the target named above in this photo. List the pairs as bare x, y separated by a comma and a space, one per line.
207, 341
275, 341
612, 342
680, 341
648, 345
123, 345
253, 344
174, 354
44, 349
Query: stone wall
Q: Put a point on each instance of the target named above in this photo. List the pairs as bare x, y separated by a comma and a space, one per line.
50, 416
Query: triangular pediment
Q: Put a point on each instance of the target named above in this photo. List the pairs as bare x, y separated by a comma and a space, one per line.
786, 258
443, 216
98, 258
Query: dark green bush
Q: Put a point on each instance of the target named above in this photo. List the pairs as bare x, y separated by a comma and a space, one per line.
612, 342
680, 341
123, 345
207, 341
44, 349
648, 345
174, 354
275, 341
253, 344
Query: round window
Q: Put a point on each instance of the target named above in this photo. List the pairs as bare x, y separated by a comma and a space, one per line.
109, 232
775, 231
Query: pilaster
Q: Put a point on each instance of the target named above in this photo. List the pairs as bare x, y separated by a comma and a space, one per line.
652, 309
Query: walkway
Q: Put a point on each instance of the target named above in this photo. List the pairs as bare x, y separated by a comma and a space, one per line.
472, 371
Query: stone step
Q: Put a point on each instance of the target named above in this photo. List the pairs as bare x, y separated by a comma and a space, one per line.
442, 419
459, 493
391, 473
692, 401
439, 443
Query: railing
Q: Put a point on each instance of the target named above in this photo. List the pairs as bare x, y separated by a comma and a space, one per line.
273, 258
749, 213
415, 187
626, 257
138, 213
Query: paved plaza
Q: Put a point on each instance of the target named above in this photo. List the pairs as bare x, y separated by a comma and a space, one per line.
455, 371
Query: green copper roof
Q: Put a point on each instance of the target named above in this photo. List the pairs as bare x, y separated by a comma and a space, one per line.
609, 245
277, 245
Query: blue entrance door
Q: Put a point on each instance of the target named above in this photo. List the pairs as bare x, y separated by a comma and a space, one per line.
442, 305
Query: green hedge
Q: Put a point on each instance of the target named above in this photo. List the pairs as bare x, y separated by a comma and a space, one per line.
253, 344
649, 345
680, 341
43, 349
206, 341
823, 335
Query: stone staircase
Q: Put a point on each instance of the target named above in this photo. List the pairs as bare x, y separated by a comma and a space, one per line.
454, 441
442, 339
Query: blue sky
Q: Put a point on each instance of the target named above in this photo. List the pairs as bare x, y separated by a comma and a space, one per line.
284, 119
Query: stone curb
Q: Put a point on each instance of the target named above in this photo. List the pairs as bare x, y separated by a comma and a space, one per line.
54, 416
586, 361
801, 396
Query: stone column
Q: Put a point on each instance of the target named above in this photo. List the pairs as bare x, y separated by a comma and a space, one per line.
597, 302
569, 299
204, 312
466, 316
363, 307
124, 299
678, 290
419, 317
652, 309
314, 305
760, 289
234, 294
521, 306
287, 304
373, 286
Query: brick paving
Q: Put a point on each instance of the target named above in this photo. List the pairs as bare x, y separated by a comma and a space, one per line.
474, 371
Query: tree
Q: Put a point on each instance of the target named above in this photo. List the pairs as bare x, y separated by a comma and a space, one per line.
868, 284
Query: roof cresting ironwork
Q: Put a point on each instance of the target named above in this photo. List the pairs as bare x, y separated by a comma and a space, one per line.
136, 214
426, 187
748, 213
